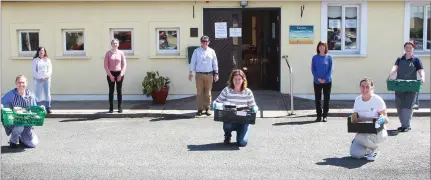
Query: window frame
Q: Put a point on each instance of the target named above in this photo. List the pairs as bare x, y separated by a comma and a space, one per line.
74, 52
128, 52
407, 21
167, 52
362, 27
20, 51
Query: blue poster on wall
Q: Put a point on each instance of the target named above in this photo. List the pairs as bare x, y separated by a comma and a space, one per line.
301, 34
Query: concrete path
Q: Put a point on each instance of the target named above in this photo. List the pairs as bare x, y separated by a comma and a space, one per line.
177, 149
271, 104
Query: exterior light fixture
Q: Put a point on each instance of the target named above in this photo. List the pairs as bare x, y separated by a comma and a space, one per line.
244, 3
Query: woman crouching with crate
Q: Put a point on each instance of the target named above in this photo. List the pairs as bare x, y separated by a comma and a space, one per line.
368, 106
20, 98
237, 93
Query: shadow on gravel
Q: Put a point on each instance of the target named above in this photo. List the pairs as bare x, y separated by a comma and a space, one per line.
174, 117
8, 149
393, 132
213, 147
80, 119
294, 123
346, 162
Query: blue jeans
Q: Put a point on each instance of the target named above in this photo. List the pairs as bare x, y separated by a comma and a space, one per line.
46, 87
242, 132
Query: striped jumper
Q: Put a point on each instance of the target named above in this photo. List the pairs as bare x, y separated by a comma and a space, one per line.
240, 99
25, 133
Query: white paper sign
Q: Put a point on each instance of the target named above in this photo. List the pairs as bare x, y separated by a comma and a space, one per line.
235, 32
220, 29
241, 113
334, 23
351, 23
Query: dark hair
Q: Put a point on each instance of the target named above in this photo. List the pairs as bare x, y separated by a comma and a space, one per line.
324, 44
365, 79
37, 52
233, 74
411, 43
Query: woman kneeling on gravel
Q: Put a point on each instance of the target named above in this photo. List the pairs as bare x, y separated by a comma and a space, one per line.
238, 94
368, 105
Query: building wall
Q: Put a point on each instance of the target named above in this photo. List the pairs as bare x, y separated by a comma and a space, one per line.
73, 75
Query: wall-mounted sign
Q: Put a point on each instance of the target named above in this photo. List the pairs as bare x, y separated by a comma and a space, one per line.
235, 32
220, 30
301, 34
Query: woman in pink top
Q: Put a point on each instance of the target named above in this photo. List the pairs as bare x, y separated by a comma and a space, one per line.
115, 67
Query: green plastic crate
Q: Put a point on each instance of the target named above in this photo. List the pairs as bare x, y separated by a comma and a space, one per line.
404, 85
35, 116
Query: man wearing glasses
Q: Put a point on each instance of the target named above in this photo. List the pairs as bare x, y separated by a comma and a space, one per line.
204, 64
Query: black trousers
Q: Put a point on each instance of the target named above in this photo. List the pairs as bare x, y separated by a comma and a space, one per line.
318, 88
111, 89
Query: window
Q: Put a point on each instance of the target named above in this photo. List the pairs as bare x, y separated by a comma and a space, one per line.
344, 27
28, 42
125, 37
167, 41
74, 41
419, 30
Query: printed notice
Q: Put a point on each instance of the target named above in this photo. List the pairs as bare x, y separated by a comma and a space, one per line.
235, 32
351, 23
334, 23
220, 29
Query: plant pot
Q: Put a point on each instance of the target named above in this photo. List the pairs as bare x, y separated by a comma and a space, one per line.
159, 97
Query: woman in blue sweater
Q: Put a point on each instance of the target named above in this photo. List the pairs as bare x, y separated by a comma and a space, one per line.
322, 67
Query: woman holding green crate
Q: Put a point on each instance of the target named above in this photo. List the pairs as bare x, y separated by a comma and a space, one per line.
407, 67
18, 99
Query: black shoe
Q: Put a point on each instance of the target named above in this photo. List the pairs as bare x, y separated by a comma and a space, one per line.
318, 119
226, 140
120, 110
111, 110
415, 107
48, 110
325, 119
406, 129
199, 113
207, 112
13, 145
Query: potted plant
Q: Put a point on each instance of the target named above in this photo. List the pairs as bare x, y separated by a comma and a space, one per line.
156, 86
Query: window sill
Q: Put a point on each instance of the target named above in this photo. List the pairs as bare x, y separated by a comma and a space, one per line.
21, 58
423, 54
168, 57
350, 55
72, 57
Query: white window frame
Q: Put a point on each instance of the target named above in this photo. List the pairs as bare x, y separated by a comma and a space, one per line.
408, 6
75, 52
132, 40
20, 51
169, 52
362, 28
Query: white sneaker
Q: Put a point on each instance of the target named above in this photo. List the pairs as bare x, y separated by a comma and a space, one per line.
371, 156
368, 152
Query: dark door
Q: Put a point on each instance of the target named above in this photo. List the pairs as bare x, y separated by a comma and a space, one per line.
272, 70
228, 50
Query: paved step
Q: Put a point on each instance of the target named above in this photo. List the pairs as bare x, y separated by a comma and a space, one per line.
133, 113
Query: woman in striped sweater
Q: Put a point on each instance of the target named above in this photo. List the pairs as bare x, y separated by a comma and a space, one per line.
238, 94
19, 98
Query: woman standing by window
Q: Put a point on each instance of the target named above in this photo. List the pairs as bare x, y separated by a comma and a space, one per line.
42, 70
407, 67
322, 67
115, 67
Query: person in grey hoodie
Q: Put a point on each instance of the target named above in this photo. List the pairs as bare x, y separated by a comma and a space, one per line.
19, 98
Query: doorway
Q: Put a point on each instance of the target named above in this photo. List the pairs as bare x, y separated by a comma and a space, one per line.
256, 51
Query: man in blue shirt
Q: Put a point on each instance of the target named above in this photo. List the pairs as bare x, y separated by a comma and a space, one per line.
204, 64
